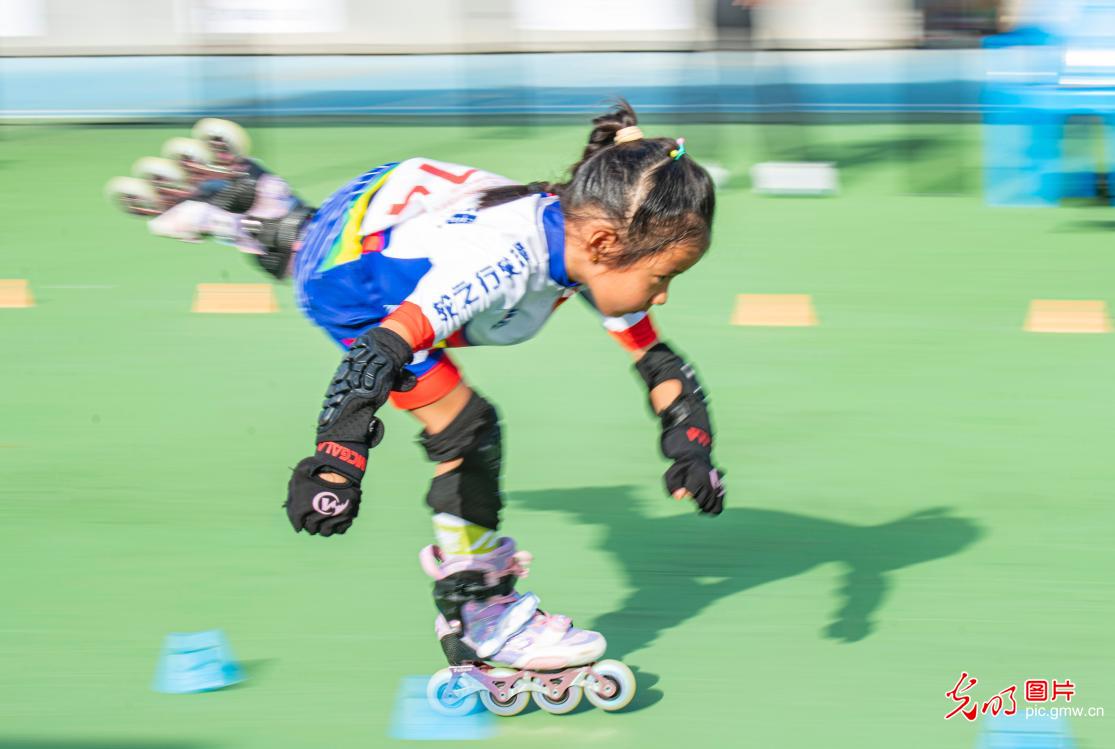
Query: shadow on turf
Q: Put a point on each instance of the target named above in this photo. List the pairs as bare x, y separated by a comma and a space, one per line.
1086, 225
678, 566
253, 670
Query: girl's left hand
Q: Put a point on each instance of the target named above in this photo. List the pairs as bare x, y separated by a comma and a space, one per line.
697, 479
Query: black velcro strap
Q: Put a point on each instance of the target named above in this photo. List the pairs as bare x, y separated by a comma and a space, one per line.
350, 459
686, 408
393, 344
454, 591
660, 364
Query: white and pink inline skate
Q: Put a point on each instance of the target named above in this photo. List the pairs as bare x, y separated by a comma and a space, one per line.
217, 152
503, 650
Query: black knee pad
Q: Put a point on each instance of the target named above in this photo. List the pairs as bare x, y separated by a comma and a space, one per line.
471, 490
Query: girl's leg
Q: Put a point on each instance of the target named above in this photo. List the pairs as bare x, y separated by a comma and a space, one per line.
462, 436
482, 617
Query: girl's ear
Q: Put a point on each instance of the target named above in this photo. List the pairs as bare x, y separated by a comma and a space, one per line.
602, 242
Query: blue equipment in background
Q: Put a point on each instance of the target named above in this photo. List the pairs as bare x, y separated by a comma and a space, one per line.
1059, 66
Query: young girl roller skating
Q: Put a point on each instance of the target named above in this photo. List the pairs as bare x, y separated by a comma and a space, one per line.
414, 258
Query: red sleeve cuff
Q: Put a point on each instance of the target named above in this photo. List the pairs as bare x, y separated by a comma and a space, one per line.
641, 335
432, 386
410, 316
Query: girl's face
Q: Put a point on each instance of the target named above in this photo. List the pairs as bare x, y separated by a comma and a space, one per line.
639, 287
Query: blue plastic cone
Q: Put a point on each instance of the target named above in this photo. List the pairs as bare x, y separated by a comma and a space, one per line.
1018, 732
413, 719
196, 662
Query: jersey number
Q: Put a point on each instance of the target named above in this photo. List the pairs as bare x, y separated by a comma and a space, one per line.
456, 179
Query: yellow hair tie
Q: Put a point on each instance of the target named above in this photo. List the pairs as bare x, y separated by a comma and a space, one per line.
628, 134
678, 152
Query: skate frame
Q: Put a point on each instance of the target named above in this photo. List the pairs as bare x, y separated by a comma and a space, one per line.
553, 683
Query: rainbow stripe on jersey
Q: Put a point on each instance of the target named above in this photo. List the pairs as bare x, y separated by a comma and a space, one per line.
347, 244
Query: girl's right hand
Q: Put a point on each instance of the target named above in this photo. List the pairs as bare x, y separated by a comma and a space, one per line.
323, 496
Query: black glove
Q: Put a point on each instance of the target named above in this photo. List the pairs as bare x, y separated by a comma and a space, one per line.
687, 440
372, 368
326, 507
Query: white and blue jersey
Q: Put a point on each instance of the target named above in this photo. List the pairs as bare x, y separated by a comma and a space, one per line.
408, 241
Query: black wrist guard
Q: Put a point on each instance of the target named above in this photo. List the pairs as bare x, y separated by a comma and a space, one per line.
660, 364
373, 367
686, 430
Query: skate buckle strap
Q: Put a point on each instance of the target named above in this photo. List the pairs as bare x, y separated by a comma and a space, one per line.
554, 628
520, 564
517, 567
512, 621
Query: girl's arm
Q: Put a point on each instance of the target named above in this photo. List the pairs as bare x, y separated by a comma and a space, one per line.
661, 395
637, 335
677, 399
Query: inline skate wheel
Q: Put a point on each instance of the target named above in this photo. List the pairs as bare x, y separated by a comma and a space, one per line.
134, 195
223, 136
555, 705
504, 707
620, 678
446, 702
188, 150
161, 173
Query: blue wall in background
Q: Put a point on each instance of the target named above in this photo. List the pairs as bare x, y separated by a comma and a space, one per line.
733, 83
